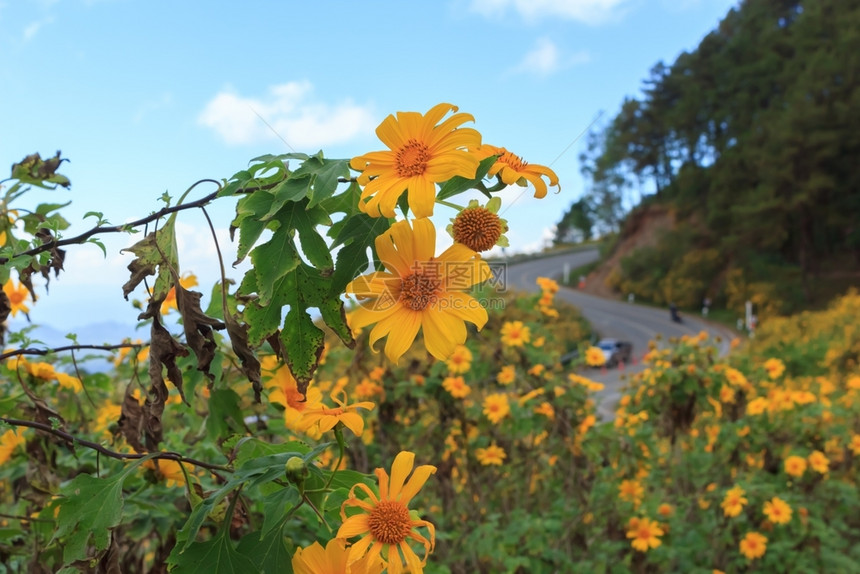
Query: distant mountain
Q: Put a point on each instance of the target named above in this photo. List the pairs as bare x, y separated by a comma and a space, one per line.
102, 333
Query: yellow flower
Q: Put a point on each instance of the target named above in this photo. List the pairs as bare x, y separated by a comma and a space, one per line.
631, 491
496, 407
594, 357
385, 521
460, 360
547, 285
367, 389
187, 281
644, 533
819, 462
665, 509
326, 418
170, 470
456, 386
108, 414
9, 441
491, 455
546, 410
513, 170
515, 334
286, 393
507, 375
18, 296
334, 559
419, 291
537, 370
734, 501
777, 510
774, 368
855, 444
421, 153
757, 406
753, 545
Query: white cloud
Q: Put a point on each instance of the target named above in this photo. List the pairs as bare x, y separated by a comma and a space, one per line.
543, 59
290, 115
586, 11
164, 101
32, 29
546, 59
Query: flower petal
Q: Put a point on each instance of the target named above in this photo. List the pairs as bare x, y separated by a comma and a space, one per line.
424, 239
416, 481
400, 469
355, 525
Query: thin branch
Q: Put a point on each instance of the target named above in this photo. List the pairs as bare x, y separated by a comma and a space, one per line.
43, 352
72, 439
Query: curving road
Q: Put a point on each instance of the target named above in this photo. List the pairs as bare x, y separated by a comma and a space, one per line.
611, 318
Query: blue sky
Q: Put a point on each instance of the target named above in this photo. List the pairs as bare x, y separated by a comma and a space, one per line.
148, 97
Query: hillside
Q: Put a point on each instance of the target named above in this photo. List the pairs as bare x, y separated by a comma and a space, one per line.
749, 141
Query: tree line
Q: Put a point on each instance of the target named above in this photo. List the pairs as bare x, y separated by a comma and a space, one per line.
752, 140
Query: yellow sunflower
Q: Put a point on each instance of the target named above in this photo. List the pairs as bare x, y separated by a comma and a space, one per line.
753, 545
421, 153
286, 393
384, 522
325, 418
645, 534
493, 454
333, 559
419, 291
460, 361
515, 334
594, 357
187, 281
514, 170
18, 296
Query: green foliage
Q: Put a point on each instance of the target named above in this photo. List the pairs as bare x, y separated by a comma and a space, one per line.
750, 138
88, 509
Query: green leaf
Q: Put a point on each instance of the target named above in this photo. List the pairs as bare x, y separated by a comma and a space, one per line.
151, 252
268, 549
457, 184
276, 505
89, 508
273, 260
303, 342
359, 233
225, 415
295, 188
215, 556
249, 211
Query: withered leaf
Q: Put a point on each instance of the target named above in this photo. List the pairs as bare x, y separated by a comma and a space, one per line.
163, 351
5, 309
198, 327
131, 421
239, 341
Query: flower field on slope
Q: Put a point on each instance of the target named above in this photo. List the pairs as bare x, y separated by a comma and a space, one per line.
744, 463
448, 433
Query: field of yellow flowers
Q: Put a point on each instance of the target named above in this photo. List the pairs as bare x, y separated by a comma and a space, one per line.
742, 463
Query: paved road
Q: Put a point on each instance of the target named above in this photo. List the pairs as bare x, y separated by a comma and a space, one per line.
611, 318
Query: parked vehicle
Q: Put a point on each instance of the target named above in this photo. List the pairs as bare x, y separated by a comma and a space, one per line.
615, 351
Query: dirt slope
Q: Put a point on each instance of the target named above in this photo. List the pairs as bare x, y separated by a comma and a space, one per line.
642, 228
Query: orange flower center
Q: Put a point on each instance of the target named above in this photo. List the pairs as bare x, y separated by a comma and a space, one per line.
16, 297
417, 291
514, 161
390, 522
477, 228
295, 399
412, 159
645, 533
